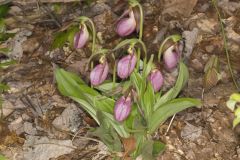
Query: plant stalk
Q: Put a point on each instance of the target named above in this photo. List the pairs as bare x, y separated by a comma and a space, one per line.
225, 44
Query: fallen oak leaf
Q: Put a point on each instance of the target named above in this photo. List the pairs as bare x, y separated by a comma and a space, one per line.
129, 145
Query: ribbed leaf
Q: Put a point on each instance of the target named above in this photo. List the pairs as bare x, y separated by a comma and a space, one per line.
168, 109
74, 87
2, 157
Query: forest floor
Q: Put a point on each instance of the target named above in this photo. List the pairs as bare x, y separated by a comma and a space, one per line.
35, 112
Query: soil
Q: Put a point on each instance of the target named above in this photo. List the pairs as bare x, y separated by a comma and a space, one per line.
195, 134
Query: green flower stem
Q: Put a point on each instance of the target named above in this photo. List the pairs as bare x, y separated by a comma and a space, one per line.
138, 58
91, 70
114, 74
141, 21
94, 35
225, 44
134, 3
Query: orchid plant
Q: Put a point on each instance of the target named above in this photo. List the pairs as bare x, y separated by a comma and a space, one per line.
129, 105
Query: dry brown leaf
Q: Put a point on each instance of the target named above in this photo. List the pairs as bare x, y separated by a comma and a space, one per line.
129, 145
91, 122
179, 7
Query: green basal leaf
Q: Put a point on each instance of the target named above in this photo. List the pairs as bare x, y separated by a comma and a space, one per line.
129, 122
4, 50
151, 149
74, 87
87, 107
4, 10
7, 63
158, 147
2, 26
148, 67
173, 92
5, 36
136, 80
2, 157
107, 134
168, 109
140, 138
119, 128
237, 112
3, 87
148, 101
231, 104
104, 104
57, 8
107, 87
236, 120
59, 40
147, 150
235, 97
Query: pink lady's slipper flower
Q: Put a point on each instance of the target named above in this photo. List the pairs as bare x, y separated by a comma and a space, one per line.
126, 26
99, 73
126, 65
156, 79
171, 57
122, 108
81, 37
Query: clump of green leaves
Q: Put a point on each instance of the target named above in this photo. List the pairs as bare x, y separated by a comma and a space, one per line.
156, 108
130, 136
233, 105
2, 157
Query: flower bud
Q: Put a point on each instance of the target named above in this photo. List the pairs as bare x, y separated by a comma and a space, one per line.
81, 37
126, 26
99, 74
126, 65
122, 108
171, 57
156, 79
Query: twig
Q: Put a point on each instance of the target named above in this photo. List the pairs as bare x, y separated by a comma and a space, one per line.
225, 44
170, 124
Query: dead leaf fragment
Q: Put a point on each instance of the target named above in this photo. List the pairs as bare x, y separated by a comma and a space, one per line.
129, 145
179, 7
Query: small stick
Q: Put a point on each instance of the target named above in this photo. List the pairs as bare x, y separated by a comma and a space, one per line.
170, 124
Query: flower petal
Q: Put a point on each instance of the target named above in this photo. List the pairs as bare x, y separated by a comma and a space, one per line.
99, 74
126, 65
81, 38
122, 108
126, 26
170, 58
156, 79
